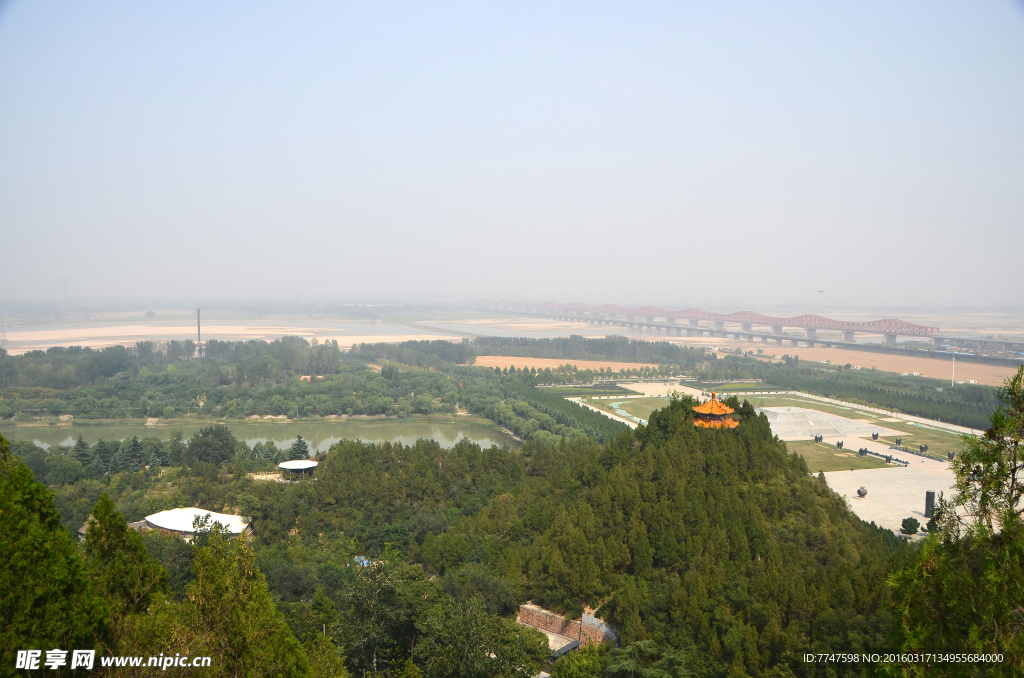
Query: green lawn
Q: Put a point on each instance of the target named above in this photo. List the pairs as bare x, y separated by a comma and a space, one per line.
938, 442
822, 457
637, 407
642, 407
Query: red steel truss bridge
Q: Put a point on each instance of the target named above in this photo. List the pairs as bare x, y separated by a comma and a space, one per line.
891, 327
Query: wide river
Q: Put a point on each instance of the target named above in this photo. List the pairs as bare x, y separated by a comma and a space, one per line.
320, 434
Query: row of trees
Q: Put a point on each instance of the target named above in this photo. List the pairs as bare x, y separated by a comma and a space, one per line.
214, 444
571, 374
620, 349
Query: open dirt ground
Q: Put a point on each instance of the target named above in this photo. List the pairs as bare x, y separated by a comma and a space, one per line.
992, 375
100, 336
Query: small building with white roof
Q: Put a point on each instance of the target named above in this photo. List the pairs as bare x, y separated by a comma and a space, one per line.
297, 467
181, 521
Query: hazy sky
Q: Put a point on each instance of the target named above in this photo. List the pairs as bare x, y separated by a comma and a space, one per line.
725, 154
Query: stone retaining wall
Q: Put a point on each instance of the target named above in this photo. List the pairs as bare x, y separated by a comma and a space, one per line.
552, 623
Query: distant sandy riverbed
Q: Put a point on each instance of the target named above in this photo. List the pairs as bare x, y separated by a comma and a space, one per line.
99, 336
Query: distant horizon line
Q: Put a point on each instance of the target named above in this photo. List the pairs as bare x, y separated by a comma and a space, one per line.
15, 306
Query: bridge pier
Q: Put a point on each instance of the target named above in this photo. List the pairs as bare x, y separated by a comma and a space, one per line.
890, 339
694, 323
811, 333
848, 337
746, 327
777, 329
719, 325
936, 341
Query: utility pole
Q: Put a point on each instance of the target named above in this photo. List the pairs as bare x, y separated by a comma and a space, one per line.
200, 352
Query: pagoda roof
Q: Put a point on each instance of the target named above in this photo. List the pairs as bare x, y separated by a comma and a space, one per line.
713, 406
716, 423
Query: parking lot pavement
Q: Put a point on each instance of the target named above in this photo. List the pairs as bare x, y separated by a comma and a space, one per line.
894, 492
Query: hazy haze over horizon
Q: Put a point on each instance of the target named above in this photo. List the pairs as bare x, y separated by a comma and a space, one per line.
727, 155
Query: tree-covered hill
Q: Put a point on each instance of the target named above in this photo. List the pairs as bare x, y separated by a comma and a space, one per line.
716, 542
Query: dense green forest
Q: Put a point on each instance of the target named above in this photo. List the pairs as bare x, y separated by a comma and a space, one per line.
236, 380
718, 545
264, 380
713, 553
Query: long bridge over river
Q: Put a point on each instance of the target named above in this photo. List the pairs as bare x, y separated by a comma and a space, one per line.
747, 325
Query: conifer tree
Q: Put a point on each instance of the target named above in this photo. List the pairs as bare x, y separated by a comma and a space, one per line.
117, 463
410, 670
121, 567
299, 449
46, 599
228, 614
965, 593
81, 452
131, 454
325, 658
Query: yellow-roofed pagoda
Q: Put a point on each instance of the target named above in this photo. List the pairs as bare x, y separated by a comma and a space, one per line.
711, 414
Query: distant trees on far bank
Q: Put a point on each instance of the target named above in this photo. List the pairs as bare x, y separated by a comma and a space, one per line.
257, 378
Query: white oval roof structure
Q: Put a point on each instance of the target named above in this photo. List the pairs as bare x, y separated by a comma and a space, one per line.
297, 464
181, 519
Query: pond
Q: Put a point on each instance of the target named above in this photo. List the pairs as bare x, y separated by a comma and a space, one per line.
321, 434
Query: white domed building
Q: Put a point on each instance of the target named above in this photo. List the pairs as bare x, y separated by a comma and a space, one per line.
181, 521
